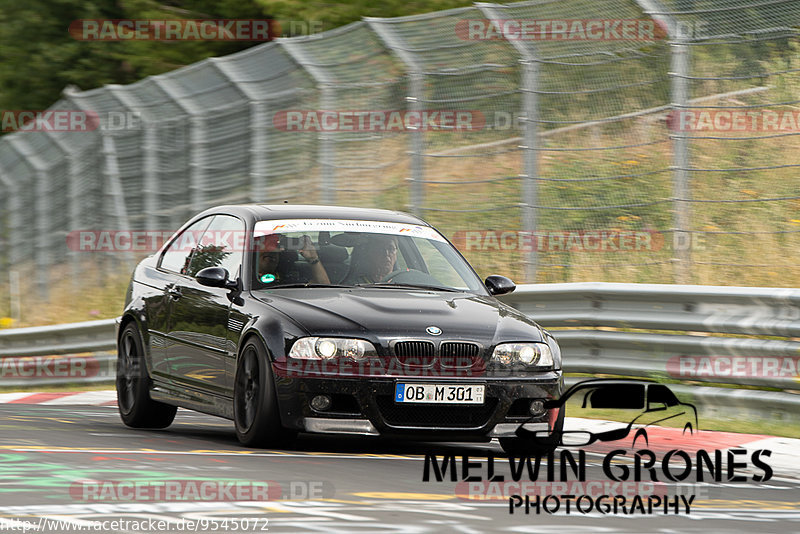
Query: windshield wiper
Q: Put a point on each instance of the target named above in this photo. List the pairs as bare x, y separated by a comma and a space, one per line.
412, 286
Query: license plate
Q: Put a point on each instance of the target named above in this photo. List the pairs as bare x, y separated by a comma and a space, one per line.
439, 393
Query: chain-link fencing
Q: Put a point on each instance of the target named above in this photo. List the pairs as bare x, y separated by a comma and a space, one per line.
624, 140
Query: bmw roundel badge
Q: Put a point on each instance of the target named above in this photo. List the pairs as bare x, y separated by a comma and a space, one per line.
434, 330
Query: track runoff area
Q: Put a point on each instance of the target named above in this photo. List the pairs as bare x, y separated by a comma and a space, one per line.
69, 465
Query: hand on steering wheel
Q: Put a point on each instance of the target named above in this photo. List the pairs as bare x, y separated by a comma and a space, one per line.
388, 277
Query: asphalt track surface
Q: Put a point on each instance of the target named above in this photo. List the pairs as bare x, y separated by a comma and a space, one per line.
53, 459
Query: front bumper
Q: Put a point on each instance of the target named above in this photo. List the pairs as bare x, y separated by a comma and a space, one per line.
366, 406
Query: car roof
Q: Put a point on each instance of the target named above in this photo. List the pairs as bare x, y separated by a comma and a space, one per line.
311, 211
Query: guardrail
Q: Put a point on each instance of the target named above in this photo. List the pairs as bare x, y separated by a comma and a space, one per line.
700, 313
725, 335
23, 352
718, 309
72, 338
737, 336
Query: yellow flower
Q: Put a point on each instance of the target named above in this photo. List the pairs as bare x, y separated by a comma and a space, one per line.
710, 228
6, 322
795, 221
623, 218
631, 162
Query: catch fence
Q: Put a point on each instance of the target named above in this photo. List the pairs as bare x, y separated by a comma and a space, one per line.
624, 140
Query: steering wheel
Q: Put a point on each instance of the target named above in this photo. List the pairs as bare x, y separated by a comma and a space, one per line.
410, 276
388, 277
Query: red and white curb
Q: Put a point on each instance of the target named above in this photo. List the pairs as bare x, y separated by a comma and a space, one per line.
82, 398
785, 452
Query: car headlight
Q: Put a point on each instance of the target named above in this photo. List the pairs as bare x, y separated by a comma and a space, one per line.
555, 348
328, 348
532, 354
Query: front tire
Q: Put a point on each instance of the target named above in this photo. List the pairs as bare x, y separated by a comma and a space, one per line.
136, 408
255, 402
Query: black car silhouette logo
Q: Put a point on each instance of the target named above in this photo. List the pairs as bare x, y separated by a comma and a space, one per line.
594, 408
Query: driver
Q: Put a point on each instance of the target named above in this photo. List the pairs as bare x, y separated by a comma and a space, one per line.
379, 257
269, 257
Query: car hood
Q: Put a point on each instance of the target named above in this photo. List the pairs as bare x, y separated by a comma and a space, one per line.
381, 313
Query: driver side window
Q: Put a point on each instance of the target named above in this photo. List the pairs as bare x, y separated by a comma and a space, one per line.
221, 246
178, 255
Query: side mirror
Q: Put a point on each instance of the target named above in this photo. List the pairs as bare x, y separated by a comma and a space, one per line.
499, 285
215, 277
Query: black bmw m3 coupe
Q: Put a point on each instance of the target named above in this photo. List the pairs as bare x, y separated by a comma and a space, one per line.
323, 319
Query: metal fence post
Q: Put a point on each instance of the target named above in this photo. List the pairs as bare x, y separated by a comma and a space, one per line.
73, 201
7, 242
197, 141
530, 153
149, 156
149, 169
115, 188
74, 213
415, 98
41, 207
14, 232
681, 193
259, 144
15, 295
530, 135
417, 193
326, 154
42, 245
679, 93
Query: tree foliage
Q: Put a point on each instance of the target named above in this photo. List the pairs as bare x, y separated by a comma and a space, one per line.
39, 58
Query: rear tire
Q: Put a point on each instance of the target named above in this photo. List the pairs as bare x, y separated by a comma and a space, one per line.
136, 408
255, 402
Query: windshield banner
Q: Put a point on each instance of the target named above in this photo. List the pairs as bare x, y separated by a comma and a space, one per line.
341, 225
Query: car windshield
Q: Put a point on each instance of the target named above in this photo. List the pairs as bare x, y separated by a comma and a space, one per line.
353, 253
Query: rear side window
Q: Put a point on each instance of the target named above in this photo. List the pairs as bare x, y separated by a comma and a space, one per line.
178, 255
